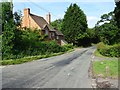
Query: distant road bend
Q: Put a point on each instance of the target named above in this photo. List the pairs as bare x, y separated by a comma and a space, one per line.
69, 70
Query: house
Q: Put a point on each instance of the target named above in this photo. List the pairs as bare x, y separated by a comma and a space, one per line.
33, 21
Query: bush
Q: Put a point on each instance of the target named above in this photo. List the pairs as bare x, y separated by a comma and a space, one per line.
53, 47
30, 43
67, 47
111, 51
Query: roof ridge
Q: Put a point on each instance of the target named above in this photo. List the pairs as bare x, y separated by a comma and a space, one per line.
36, 15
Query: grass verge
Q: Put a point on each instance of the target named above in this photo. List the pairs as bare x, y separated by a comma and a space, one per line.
96, 53
29, 58
99, 46
106, 68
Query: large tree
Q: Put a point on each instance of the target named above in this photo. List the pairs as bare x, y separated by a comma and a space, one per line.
74, 24
0, 12
107, 30
107, 18
117, 13
8, 29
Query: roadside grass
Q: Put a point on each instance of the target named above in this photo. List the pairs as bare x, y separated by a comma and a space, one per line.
99, 46
96, 53
30, 58
99, 68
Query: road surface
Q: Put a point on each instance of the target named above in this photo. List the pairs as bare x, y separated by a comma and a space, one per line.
69, 70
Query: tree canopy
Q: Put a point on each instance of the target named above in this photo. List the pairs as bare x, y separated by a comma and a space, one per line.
8, 29
117, 13
57, 24
74, 24
108, 31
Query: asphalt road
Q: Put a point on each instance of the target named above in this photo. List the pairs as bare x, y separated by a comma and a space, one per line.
69, 70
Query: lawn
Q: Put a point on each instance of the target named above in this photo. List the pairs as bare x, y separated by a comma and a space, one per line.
99, 67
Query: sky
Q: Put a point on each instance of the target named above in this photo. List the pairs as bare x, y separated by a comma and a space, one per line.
57, 8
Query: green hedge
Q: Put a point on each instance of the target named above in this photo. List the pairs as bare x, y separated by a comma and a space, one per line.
30, 43
43, 48
110, 51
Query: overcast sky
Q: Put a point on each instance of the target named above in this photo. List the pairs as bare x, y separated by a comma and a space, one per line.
92, 8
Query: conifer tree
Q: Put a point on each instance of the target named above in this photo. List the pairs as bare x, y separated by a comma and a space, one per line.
74, 24
8, 29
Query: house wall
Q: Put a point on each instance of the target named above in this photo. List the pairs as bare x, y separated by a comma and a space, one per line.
52, 35
29, 23
49, 33
27, 20
59, 39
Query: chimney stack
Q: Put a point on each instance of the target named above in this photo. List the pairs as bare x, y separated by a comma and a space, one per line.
26, 12
48, 18
26, 22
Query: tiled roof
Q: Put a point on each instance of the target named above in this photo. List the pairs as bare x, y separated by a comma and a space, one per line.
58, 32
51, 29
42, 23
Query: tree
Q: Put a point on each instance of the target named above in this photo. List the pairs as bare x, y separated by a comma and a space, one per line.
0, 18
117, 13
74, 24
92, 36
8, 29
17, 18
108, 31
57, 24
107, 18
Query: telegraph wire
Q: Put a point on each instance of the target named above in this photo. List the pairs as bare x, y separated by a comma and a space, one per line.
39, 6
42, 8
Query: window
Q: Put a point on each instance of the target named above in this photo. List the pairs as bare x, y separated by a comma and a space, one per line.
57, 37
46, 32
52, 34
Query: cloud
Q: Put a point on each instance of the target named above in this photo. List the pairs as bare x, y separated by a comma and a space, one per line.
92, 20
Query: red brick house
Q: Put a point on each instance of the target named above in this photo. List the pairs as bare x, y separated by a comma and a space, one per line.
33, 21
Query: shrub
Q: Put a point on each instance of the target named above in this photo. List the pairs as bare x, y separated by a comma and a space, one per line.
30, 43
112, 51
67, 47
101, 45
